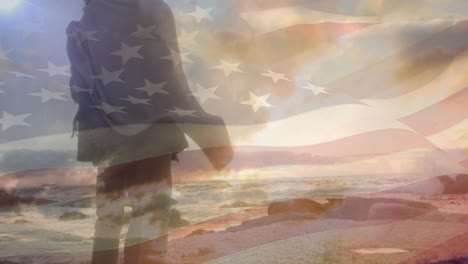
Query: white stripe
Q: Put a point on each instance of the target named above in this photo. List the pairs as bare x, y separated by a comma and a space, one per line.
319, 126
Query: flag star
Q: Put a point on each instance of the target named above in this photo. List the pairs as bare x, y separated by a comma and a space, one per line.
228, 68
205, 93
109, 109
23, 75
47, 95
8, 120
134, 100
152, 88
127, 52
257, 101
78, 89
178, 57
109, 76
144, 32
182, 113
275, 76
54, 70
201, 14
315, 89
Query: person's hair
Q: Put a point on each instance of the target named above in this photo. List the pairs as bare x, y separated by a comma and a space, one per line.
86, 2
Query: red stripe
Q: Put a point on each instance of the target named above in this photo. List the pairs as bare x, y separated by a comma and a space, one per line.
357, 147
440, 116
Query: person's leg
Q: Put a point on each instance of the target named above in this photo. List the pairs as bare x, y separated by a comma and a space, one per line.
150, 198
110, 202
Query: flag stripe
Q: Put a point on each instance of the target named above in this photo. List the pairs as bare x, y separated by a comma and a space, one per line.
455, 150
439, 116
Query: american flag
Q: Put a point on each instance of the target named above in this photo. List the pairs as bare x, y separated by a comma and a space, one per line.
306, 88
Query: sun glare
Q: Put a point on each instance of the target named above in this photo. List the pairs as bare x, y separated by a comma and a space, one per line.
234, 175
247, 173
8, 5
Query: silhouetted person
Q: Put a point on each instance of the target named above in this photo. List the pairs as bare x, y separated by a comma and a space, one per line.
128, 81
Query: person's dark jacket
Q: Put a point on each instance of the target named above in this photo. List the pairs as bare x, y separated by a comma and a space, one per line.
118, 119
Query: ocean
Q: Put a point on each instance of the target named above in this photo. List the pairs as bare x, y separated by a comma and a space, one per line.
37, 229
